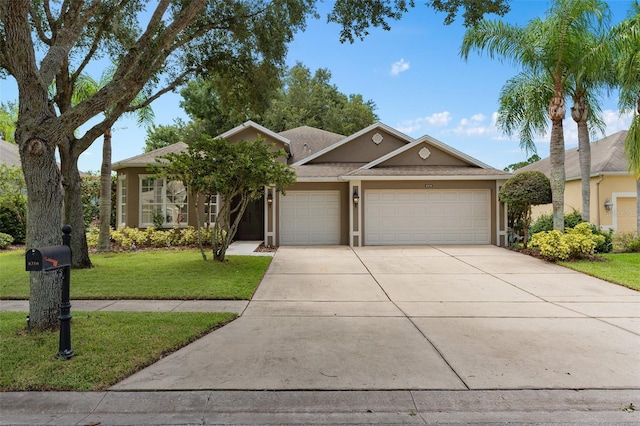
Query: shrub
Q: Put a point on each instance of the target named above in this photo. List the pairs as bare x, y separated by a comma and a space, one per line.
11, 224
575, 243
544, 222
133, 238
5, 240
627, 242
522, 191
607, 244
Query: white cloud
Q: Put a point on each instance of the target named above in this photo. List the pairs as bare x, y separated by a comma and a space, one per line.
438, 119
476, 125
399, 66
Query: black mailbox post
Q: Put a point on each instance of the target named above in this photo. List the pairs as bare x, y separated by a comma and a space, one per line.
49, 259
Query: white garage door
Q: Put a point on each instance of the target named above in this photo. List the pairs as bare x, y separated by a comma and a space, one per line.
396, 217
310, 218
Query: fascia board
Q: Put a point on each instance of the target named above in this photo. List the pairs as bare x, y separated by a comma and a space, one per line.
425, 178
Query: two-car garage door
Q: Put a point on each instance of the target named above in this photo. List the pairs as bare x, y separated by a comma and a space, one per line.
397, 217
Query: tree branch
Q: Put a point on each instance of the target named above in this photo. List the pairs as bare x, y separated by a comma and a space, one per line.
38, 25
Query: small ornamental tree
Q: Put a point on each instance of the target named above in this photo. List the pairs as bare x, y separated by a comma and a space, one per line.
521, 192
238, 172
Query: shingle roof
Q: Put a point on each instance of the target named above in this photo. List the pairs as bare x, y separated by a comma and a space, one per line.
327, 170
430, 171
306, 141
147, 158
9, 153
607, 157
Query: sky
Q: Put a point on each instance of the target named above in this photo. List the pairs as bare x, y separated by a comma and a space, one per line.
415, 76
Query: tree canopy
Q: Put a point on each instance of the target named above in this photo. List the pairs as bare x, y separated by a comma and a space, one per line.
520, 192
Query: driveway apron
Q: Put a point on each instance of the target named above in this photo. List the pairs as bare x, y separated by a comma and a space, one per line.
388, 318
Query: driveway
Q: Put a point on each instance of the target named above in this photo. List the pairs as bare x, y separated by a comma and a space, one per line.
442, 317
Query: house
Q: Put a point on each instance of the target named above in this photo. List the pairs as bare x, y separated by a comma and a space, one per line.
375, 187
9, 154
613, 188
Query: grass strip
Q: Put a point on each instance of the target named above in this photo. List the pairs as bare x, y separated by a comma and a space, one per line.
157, 274
108, 347
619, 268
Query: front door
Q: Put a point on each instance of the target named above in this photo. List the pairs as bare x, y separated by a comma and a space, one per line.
251, 226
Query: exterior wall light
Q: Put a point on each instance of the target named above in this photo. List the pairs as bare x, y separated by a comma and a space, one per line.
608, 205
356, 197
270, 198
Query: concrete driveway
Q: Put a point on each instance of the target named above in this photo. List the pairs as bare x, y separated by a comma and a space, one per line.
445, 318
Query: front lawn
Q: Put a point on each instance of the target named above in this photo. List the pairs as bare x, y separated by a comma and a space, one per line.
108, 347
158, 274
619, 268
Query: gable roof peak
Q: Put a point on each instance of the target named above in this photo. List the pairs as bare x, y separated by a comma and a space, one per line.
376, 125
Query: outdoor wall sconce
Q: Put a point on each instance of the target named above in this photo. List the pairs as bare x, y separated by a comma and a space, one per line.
356, 197
608, 205
269, 198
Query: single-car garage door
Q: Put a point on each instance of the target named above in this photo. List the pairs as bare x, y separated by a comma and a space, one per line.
310, 218
396, 217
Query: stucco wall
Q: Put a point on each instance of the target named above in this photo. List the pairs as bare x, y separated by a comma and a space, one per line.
602, 188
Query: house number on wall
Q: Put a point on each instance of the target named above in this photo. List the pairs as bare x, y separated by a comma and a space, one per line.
428, 185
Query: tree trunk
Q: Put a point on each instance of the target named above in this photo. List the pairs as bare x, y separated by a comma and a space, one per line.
580, 112
104, 241
44, 206
73, 214
556, 153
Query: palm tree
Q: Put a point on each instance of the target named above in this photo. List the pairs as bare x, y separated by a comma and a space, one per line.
550, 49
626, 37
84, 89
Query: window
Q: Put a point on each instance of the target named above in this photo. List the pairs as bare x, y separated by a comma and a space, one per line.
122, 200
162, 202
210, 209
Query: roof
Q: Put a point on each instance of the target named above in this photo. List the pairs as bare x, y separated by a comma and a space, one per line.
259, 129
356, 135
430, 171
306, 141
607, 157
9, 154
143, 160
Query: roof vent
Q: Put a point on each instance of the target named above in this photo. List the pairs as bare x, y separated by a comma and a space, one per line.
424, 153
377, 138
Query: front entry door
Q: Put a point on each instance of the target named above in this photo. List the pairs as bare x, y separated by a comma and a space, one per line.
251, 226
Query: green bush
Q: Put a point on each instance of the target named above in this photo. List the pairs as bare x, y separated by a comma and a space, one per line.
11, 224
5, 240
627, 242
544, 222
134, 238
575, 243
606, 246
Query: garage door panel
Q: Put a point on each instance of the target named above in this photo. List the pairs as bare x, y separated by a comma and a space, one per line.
310, 218
394, 217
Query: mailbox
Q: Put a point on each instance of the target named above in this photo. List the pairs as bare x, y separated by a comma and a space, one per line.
48, 258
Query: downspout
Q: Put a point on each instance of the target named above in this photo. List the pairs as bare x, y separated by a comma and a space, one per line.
598, 198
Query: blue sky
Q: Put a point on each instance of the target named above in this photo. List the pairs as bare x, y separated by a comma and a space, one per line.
413, 73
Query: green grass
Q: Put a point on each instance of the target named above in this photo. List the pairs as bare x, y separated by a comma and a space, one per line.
108, 347
161, 274
619, 268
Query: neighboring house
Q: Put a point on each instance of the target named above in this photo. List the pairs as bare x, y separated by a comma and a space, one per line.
9, 154
613, 188
375, 187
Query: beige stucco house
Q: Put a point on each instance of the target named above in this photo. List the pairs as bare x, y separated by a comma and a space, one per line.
613, 188
375, 187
